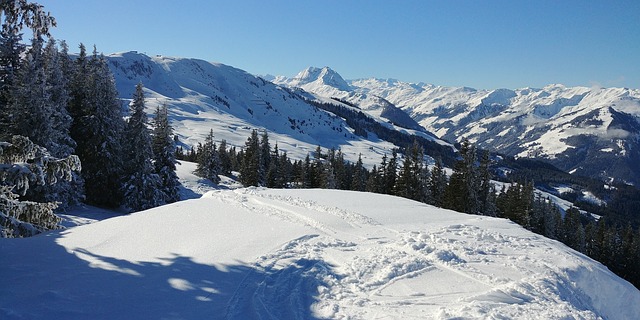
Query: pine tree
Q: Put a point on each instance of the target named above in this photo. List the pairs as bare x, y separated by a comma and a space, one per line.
486, 192
141, 188
462, 192
97, 128
226, 164
164, 156
343, 179
328, 178
23, 165
374, 183
359, 180
265, 158
250, 169
208, 161
438, 184
16, 15
410, 180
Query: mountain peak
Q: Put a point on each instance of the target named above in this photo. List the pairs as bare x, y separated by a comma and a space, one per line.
321, 76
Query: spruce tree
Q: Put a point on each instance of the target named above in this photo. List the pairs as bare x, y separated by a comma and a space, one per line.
208, 162
16, 15
390, 173
141, 188
250, 169
409, 183
23, 165
265, 157
438, 184
359, 180
462, 192
226, 164
97, 128
164, 156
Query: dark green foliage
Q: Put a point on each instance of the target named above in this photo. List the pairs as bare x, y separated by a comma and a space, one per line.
98, 129
164, 160
251, 169
208, 160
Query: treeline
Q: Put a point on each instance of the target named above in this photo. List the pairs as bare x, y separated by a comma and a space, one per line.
362, 123
469, 189
63, 138
622, 200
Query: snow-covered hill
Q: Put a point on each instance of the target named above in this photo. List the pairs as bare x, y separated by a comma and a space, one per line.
590, 131
203, 96
303, 254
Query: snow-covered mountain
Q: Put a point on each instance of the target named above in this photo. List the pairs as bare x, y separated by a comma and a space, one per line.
303, 254
589, 131
327, 83
203, 96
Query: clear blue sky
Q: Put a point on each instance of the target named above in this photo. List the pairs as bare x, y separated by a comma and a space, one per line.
481, 44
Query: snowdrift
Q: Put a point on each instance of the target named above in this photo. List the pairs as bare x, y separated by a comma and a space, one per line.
304, 254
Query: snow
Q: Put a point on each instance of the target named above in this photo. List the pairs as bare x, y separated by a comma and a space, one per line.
201, 96
254, 253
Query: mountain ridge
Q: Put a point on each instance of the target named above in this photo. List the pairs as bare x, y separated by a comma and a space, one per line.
578, 129
202, 95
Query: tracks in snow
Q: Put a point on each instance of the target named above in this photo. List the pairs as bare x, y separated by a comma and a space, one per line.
349, 262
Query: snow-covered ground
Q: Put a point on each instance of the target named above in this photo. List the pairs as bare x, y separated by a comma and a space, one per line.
303, 254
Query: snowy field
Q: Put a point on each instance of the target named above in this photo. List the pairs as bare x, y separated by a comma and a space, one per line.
301, 254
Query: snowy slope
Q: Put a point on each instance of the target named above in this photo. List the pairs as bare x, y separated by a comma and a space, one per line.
203, 95
303, 254
590, 131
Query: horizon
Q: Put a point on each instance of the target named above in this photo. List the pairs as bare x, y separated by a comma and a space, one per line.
484, 45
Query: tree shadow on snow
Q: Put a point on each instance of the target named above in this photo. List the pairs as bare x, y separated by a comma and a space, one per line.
42, 280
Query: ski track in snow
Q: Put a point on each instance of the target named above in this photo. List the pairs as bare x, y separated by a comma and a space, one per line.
353, 276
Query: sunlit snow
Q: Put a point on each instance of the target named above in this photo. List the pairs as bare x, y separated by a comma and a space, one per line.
302, 254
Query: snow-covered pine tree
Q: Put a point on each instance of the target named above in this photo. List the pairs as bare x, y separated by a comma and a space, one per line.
141, 188
24, 164
208, 161
58, 76
39, 100
97, 128
14, 16
164, 156
30, 103
57, 86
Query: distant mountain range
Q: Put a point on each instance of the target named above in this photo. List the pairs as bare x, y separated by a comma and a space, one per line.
587, 131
